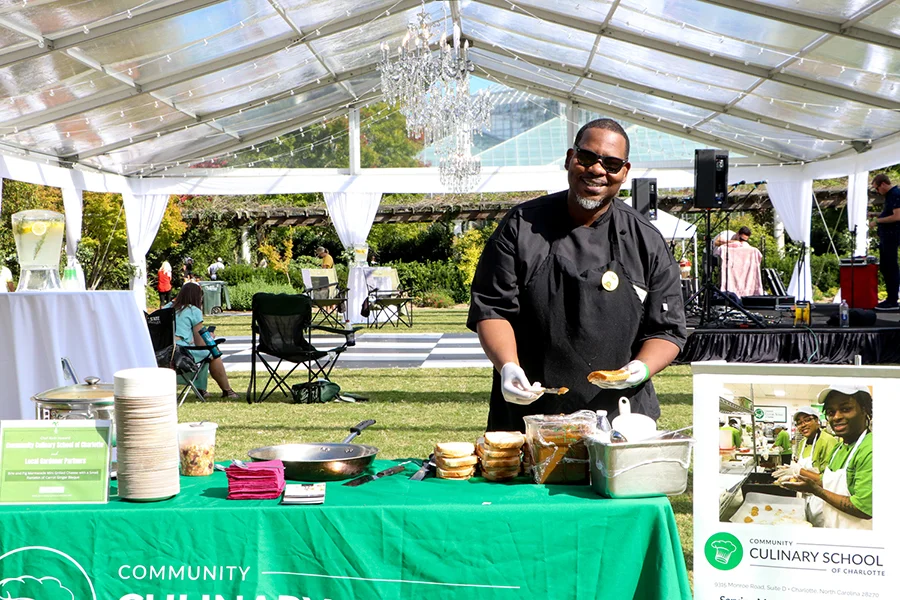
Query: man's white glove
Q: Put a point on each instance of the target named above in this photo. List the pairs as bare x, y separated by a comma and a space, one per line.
639, 374
791, 470
515, 386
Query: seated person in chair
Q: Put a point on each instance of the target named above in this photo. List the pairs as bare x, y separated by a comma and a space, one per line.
188, 322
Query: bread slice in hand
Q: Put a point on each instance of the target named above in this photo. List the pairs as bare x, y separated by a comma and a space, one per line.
503, 440
603, 376
454, 449
455, 463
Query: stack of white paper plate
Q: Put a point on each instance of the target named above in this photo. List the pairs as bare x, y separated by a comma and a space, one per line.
147, 434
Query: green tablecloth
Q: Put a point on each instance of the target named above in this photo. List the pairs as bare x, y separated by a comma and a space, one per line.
391, 538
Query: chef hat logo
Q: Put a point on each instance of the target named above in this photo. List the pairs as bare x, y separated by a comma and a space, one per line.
26, 587
724, 549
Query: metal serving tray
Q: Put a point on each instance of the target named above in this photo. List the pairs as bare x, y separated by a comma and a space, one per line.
640, 469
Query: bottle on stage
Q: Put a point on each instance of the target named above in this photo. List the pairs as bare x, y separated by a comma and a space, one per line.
845, 314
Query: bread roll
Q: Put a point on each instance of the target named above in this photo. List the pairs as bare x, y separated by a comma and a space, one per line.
503, 440
455, 473
455, 463
499, 463
618, 375
454, 449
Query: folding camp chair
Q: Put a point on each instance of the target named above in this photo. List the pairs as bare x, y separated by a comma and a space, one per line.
161, 324
388, 302
329, 299
281, 327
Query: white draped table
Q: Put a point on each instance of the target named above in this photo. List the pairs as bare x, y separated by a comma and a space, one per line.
358, 282
99, 332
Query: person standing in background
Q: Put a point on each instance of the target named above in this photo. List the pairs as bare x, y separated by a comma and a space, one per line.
164, 283
888, 224
327, 260
6, 280
214, 268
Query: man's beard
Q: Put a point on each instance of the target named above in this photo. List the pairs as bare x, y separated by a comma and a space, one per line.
588, 204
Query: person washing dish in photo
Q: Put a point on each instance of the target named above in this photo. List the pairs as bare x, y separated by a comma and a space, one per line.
782, 444
188, 323
575, 282
845, 484
812, 457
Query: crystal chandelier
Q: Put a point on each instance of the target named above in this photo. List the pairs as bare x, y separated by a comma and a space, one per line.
433, 94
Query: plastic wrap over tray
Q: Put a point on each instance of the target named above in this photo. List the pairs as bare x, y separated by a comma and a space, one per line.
556, 446
640, 469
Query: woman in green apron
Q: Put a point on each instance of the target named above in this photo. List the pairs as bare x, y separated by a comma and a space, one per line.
815, 450
845, 486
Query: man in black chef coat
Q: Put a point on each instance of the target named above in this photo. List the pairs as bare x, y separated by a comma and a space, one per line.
575, 282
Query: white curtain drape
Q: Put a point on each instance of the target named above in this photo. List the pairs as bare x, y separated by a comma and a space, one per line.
143, 214
352, 214
857, 205
793, 201
73, 204
1, 195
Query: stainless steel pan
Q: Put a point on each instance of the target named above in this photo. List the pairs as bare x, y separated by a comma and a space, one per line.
321, 462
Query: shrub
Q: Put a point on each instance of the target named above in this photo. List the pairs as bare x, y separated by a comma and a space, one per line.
826, 272
436, 299
421, 278
237, 274
468, 249
242, 293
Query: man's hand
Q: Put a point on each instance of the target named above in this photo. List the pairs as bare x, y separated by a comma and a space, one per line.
515, 386
639, 373
791, 470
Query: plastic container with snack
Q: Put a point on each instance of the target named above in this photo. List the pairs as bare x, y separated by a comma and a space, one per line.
556, 446
197, 448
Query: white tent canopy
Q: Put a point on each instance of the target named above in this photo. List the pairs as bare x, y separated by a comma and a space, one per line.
141, 98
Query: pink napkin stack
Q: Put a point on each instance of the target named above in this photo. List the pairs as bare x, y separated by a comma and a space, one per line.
256, 481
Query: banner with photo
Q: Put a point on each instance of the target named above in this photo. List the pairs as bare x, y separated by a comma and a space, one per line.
796, 507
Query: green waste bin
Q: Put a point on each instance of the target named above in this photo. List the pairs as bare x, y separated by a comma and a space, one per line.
215, 297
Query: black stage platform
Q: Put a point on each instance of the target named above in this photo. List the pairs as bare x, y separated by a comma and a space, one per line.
736, 339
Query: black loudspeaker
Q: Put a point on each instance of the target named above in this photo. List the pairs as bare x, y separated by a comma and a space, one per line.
710, 178
643, 196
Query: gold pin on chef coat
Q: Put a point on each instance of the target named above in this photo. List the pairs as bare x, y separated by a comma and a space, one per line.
609, 281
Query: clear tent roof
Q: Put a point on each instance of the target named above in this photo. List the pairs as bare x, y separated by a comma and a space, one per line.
121, 85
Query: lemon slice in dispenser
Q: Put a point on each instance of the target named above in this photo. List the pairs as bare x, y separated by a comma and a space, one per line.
39, 228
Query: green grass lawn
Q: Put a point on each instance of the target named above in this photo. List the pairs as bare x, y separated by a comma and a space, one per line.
425, 320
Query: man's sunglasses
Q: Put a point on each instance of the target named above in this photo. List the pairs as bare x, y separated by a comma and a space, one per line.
588, 159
